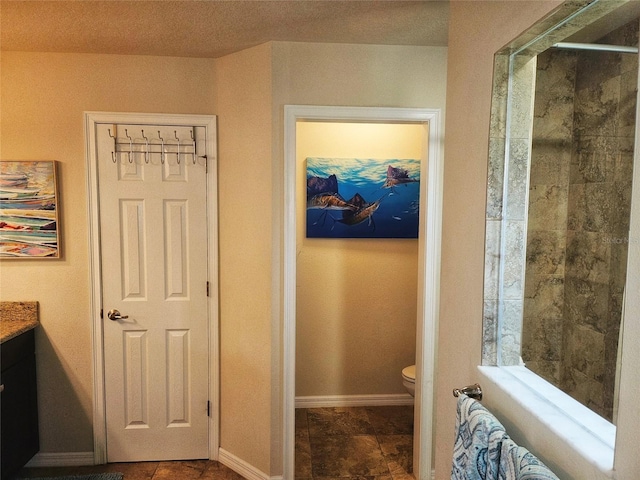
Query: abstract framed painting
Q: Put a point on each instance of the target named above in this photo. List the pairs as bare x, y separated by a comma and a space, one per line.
29, 210
362, 198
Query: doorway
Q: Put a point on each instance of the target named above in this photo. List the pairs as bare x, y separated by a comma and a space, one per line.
428, 264
152, 202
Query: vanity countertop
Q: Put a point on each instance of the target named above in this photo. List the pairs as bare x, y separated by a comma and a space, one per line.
17, 318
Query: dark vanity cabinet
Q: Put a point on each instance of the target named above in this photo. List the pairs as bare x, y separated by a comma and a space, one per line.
18, 403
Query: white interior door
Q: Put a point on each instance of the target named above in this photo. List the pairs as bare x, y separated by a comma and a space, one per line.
153, 242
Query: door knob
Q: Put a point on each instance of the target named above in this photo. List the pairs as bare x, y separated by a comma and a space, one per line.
114, 315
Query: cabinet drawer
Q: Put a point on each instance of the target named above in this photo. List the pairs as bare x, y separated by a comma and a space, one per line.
18, 404
14, 350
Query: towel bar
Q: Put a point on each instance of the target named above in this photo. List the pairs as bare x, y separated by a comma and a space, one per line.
472, 391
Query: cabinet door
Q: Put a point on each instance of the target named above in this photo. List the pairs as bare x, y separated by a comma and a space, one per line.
19, 410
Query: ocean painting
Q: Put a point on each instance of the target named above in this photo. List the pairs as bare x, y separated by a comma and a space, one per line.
362, 198
28, 210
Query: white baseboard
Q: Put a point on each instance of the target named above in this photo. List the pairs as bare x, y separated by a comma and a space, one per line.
241, 467
62, 459
354, 400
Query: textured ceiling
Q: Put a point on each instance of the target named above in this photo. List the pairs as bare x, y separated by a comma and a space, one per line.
213, 28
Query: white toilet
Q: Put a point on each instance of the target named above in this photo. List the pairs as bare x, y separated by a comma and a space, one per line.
409, 379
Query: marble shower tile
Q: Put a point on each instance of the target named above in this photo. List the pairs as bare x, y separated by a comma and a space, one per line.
626, 126
347, 456
550, 161
623, 165
499, 95
591, 207
586, 390
618, 267
546, 252
548, 207
549, 370
495, 178
492, 258
545, 296
621, 208
518, 167
510, 332
593, 159
586, 303
542, 325
514, 260
587, 256
553, 107
596, 108
625, 35
541, 339
586, 352
522, 91
611, 344
490, 332
596, 68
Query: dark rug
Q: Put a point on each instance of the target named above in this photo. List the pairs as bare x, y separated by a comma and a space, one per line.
91, 476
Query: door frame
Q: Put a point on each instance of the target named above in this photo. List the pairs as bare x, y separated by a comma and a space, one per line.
428, 268
91, 120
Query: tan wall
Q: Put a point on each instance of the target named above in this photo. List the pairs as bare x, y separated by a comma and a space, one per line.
243, 83
346, 75
252, 88
356, 298
43, 99
473, 39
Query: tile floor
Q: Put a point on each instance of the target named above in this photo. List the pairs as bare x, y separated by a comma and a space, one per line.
357, 443
179, 470
363, 443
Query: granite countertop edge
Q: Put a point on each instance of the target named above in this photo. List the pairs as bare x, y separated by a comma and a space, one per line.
17, 318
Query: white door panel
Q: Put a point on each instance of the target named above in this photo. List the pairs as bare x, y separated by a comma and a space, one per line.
153, 234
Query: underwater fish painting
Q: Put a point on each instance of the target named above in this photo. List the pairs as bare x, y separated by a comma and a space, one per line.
362, 198
397, 176
28, 210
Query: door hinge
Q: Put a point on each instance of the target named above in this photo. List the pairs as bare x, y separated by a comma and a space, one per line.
207, 289
208, 408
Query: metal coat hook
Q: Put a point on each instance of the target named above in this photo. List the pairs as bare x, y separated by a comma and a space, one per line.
113, 153
126, 134
175, 133
161, 148
146, 151
193, 140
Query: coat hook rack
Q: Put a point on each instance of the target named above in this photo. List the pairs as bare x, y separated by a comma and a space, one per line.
161, 148
175, 134
193, 141
126, 134
149, 145
146, 150
114, 157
